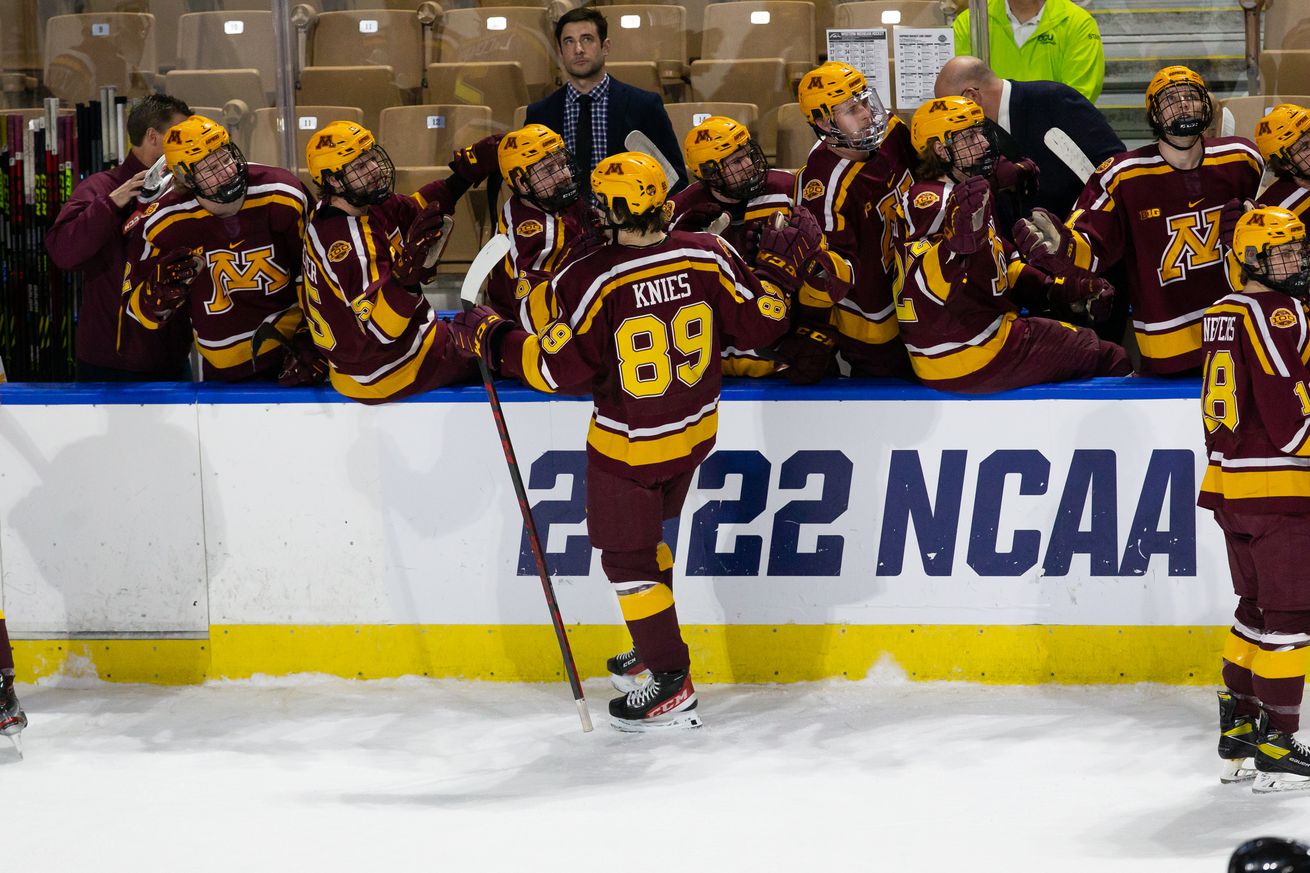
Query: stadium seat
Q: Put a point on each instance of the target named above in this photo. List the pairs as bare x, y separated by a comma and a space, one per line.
228, 41
428, 135
497, 85
646, 32
371, 88
216, 88
86, 52
1285, 71
685, 116
266, 139
763, 82
1247, 111
881, 13
1287, 25
468, 234
640, 74
520, 117
372, 37
23, 35
166, 14
761, 29
502, 34
795, 137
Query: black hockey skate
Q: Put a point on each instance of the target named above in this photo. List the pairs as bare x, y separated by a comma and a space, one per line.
627, 672
667, 701
12, 717
1237, 741
1283, 764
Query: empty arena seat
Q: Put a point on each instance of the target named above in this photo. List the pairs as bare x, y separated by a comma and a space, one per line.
498, 85
761, 29
685, 116
216, 88
495, 34
266, 134
889, 14
795, 137
228, 41
762, 81
371, 88
1285, 71
429, 134
86, 52
372, 37
649, 32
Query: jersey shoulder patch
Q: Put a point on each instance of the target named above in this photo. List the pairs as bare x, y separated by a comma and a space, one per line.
926, 199
1104, 165
1282, 317
528, 228
813, 189
338, 251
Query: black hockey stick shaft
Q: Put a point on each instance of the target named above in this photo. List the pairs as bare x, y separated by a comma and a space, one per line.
538, 553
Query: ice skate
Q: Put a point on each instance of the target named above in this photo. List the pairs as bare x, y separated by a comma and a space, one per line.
1283, 764
666, 701
1237, 741
627, 672
12, 718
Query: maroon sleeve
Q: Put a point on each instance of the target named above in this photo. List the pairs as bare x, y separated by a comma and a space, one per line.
1277, 335
752, 314
85, 224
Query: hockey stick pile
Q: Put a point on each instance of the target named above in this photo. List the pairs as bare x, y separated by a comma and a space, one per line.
41, 161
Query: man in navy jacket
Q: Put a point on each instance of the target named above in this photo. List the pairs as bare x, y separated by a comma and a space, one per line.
615, 109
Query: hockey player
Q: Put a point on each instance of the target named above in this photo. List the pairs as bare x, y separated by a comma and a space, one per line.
226, 244
1256, 412
544, 218
368, 251
1159, 209
736, 193
643, 319
852, 181
958, 308
12, 717
1283, 138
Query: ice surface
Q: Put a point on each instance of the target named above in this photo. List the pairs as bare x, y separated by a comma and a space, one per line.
333, 775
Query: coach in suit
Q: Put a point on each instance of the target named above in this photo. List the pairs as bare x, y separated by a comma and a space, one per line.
594, 111
1025, 111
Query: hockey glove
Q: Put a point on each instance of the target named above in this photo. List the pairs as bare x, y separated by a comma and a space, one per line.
1046, 242
165, 292
969, 216
1098, 304
474, 163
787, 247
424, 242
808, 352
699, 218
302, 364
1023, 177
477, 333
1232, 212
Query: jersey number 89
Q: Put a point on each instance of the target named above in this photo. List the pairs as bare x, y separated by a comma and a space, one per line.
645, 366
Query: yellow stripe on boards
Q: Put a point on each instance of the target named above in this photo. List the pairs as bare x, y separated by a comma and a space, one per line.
1280, 665
644, 604
994, 654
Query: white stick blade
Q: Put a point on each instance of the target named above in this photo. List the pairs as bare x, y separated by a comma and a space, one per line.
639, 142
1067, 151
487, 259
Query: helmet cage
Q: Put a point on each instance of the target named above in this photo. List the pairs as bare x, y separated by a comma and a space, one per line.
973, 155
1166, 116
366, 181
1296, 157
1284, 267
552, 182
743, 179
866, 139
220, 176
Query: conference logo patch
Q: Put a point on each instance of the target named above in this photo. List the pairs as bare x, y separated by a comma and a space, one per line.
1282, 317
531, 227
926, 199
813, 190
1105, 165
338, 251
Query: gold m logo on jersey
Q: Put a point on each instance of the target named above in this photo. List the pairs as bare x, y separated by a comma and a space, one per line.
1193, 243
251, 270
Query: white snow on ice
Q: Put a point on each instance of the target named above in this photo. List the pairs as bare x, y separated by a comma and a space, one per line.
326, 775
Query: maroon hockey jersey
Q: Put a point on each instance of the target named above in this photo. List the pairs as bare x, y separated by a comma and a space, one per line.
251, 275
1255, 404
646, 326
856, 204
1164, 223
382, 340
540, 243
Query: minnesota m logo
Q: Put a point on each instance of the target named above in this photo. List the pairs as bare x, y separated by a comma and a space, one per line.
702, 136
253, 270
1193, 243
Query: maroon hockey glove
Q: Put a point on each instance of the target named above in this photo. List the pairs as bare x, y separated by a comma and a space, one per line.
1046, 242
1099, 303
424, 241
302, 364
699, 217
476, 334
969, 216
165, 292
786, 248
474, 163
1233, 210
1023, 177
808, 352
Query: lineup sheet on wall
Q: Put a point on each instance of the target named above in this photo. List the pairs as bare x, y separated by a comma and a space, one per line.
921, 52
865, 49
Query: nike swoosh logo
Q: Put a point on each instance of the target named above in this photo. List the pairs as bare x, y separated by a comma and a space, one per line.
1191, 205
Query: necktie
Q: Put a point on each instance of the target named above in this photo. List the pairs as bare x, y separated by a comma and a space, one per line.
582, 137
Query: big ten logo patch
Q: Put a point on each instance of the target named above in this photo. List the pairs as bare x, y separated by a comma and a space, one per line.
247, 270
1193, 244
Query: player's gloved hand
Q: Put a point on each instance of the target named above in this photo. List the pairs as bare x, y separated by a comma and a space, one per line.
165, 292
1046, 242
584, 237
476, 162
969, 215
424, 241
808, 352
476, 333
1097, 305
1023, 176
1233, 210
301, 362
698, 218
786, 247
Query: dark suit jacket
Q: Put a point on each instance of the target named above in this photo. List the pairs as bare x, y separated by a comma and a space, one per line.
1036, 107
629, 109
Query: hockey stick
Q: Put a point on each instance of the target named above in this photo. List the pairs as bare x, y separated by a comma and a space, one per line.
636, 141
1067, 151
487, 259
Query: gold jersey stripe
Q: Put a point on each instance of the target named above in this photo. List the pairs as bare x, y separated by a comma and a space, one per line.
1255, 484
393, 382
644, 604
641, 453
1280, 665
240, 353
964, 362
